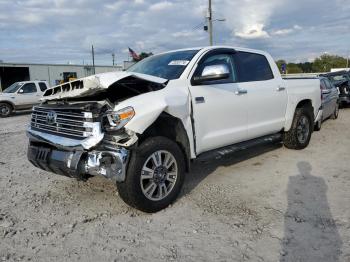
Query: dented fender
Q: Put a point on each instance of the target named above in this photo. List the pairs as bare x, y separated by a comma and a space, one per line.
174, 99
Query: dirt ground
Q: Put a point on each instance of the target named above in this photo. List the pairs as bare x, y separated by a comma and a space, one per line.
265, 204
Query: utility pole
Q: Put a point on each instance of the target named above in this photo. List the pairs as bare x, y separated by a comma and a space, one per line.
210, 24
113, 57
93, 59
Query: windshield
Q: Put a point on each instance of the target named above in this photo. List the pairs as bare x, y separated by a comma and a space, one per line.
13, 88
169, 66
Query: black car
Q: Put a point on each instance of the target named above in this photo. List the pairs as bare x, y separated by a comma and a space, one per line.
341, 80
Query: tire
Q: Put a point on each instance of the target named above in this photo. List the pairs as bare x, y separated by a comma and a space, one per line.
336, 112
5, 110
318, 125
293, 139
138, 190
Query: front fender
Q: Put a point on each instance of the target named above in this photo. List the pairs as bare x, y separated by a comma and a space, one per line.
174, 100
8, 102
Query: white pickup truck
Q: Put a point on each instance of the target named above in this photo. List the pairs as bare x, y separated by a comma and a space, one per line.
21, 96
142, 128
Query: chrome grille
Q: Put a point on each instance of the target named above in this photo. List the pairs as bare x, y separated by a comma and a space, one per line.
66, 122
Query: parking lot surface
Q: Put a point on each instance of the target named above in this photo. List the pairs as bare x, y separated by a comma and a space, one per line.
264, 204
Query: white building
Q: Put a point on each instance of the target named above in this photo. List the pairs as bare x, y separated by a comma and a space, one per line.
52, 73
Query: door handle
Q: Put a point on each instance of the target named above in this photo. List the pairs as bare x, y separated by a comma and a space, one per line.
281, 88
199, 99
241, 92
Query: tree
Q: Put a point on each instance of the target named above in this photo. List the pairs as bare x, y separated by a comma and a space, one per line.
306, 67
325, 62
293, 69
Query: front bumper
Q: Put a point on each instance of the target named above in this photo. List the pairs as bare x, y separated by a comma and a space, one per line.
70, 158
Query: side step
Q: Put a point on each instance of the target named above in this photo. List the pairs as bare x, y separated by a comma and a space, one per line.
218, 153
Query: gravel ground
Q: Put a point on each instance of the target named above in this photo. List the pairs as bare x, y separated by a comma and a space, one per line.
266, 204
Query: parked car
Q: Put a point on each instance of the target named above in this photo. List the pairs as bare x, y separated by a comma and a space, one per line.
330, 101
341, 80
142, 128
21, 96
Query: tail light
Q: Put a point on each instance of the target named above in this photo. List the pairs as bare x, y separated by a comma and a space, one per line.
321, 88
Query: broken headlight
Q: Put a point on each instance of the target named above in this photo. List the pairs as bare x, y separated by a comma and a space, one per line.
118, 119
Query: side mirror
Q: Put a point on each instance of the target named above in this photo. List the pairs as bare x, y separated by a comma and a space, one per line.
212, 73
326, 91
20, 91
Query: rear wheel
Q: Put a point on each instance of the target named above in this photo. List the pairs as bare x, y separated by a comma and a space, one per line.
299, 135
155, 175
5, 109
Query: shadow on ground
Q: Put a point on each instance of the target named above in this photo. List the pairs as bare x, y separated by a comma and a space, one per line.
200, 170
310, 232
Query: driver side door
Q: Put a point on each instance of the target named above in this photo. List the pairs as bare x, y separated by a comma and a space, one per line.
27, 96
219, 106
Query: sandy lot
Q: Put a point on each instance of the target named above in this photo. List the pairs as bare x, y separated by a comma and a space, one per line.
266, 204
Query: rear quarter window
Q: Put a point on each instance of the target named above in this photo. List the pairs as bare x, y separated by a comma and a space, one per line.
252, 67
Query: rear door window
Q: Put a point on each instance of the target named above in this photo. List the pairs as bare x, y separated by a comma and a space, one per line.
42, 86
252, 67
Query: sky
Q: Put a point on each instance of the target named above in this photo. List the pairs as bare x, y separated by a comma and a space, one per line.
62, 31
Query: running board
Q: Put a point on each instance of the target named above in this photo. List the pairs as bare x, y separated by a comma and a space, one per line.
218, 153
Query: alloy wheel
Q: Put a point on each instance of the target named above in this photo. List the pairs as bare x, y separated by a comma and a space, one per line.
303, 129
158, 175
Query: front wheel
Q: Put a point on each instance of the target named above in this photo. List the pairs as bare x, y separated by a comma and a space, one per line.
155, 175
299, 135
5, 110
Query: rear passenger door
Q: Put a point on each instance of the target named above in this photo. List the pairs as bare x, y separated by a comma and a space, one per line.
266, 94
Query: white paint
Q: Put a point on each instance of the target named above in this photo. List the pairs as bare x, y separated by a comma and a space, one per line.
224, 118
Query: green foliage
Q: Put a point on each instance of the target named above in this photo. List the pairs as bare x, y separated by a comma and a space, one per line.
293, 69
324, 63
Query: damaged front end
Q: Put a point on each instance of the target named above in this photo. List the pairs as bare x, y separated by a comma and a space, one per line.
77, 132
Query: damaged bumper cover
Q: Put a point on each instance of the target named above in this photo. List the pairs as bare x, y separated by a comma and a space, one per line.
69, 157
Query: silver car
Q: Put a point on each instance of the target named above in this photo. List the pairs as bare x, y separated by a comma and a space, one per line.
330, 101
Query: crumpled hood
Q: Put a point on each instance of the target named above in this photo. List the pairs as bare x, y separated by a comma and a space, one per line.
94, 84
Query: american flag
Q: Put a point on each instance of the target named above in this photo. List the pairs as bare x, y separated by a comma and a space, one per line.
134, 55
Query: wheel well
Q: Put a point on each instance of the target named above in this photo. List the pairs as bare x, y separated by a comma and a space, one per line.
304, 103
170, 127
307, 104
8, 103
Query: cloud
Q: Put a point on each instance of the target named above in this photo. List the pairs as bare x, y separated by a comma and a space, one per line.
57, 31
287, 31
161, 6
248, 18
252, 31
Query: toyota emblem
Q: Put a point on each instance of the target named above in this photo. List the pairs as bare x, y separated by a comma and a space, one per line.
51, 118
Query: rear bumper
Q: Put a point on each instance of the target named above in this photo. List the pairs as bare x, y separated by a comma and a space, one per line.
80, 164
344, 99
319, 115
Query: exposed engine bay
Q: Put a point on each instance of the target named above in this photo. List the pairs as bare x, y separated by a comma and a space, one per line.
78, 128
